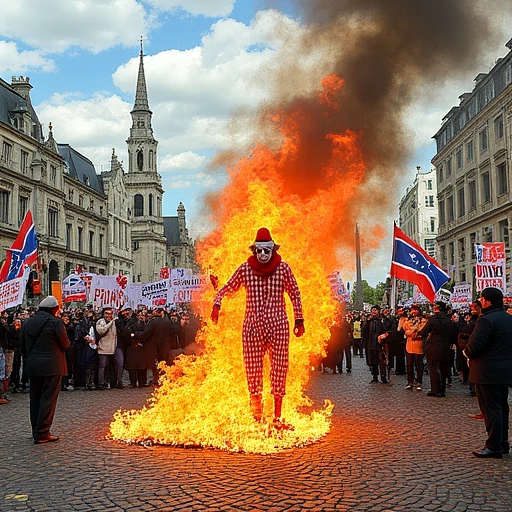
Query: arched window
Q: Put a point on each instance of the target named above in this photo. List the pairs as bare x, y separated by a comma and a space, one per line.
150, 204
138, 205
140, 160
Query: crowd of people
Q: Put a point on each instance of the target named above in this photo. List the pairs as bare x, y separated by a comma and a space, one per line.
103, 345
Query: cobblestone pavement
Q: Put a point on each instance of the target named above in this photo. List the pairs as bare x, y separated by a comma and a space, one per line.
389, 449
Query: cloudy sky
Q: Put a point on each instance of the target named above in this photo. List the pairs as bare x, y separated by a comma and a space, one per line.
204, 61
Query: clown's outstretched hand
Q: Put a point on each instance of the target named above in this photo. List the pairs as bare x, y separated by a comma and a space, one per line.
215, 313
299, 330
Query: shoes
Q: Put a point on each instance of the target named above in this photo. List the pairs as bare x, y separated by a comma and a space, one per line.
4, 400
478, 416
441, 395
349, 370
485, 453
384, 380
120, 385
431, 393
418, 387
374, 381
100, 387
146, 385
505, 447
409, 386
47, 439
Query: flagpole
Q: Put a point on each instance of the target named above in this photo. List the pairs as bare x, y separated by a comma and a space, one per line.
393, 294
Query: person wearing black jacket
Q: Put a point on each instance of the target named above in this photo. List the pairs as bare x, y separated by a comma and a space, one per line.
374, 339
441, 334
44, 342
156, 339
489, 350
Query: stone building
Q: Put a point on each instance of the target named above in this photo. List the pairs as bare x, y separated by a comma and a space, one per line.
472, 163
105, 223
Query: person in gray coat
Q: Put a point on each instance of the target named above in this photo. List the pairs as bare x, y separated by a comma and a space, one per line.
489, 351
43, 343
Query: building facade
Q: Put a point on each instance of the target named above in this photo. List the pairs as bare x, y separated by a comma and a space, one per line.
473, 171
418, 211
106, 223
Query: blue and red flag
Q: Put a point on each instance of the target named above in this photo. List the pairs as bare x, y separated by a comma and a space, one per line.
23, 251
412, 264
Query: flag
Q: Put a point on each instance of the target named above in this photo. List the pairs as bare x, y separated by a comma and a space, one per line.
412, 264
23, 251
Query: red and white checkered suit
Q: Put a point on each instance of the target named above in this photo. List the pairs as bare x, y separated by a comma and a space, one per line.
265, 324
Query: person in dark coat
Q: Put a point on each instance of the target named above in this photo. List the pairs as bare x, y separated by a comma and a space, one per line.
44, 342
135, 361
156, 339
489, 350
374, 339
465, 331
441, 334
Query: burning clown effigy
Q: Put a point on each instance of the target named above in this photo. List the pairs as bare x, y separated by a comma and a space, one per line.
215, 400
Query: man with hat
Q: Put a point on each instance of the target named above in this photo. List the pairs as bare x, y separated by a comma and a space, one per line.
43, 343
489, 351
265, 277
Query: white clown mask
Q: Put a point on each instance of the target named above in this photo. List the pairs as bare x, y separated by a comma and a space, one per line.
263, 251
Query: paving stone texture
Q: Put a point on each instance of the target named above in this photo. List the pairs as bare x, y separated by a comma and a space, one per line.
389, 450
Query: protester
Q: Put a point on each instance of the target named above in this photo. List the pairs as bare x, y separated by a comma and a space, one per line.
374, 339
44, 342
414, 347
441, 334
489, 350
106, 339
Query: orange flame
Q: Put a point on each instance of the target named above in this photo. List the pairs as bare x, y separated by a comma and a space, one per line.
203, 400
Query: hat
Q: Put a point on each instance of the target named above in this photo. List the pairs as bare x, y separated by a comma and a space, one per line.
377, 307
49, 302
415, 306
493, 295
263, 235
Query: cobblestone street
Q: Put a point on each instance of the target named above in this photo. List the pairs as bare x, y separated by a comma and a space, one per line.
389, 449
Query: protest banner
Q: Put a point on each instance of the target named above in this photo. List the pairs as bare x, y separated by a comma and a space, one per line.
490, 268
73, 289
11, 292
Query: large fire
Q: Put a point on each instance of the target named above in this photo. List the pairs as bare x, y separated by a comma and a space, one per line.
203, 400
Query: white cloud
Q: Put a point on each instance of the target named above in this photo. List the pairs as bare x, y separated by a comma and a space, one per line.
185, 160
55, 26
212, 8
12, 60
178, 184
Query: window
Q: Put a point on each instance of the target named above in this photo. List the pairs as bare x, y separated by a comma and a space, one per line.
91, 205
461, 206
53, 222
101, 246
440, 177
138, 205
448, 167
70, 195
462, 249
432, 224
68, 236
22, 209
7, 153
460, 160
91, 242
470, 154
501, 178
429, 201
507, 75
53, 175
443, 255
488, 92
4, 206
498, 127
442, 215
430, 247
472, 242
150, 204
80, 239
451, 209
429, 184
472, 195
24, 162
486, 187
81, 201
451, 253
483, 139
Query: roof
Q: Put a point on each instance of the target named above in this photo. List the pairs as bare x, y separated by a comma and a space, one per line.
172, 230
11, 102
81, 168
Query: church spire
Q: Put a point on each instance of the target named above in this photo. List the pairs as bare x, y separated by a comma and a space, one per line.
141, 94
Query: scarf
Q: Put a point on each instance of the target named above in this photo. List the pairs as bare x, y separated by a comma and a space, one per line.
266, 269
